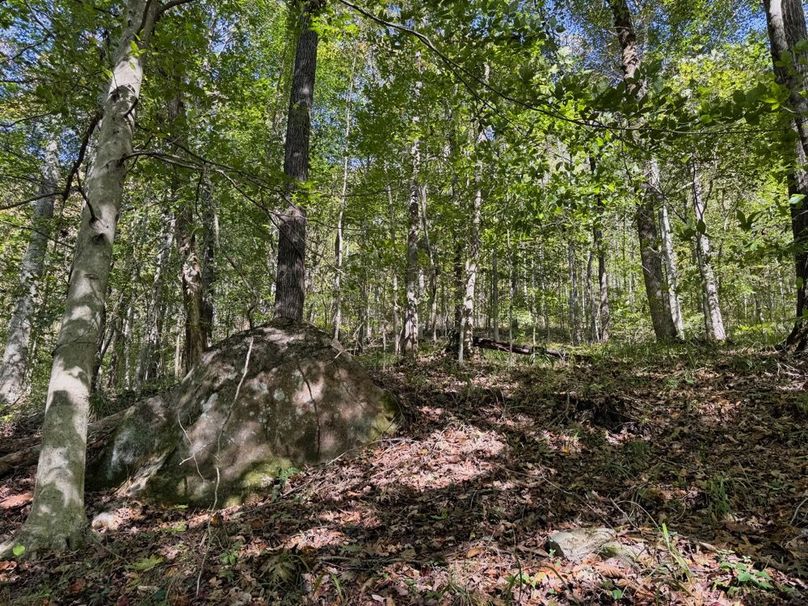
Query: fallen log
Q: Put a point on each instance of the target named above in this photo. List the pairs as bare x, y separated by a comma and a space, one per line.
28, 455
524, 350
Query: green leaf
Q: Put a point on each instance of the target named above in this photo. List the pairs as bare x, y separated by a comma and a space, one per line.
147, 564
18, 550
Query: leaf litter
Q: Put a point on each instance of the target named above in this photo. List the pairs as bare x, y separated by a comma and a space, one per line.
697, 463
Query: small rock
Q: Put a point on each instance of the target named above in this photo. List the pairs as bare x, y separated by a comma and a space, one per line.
574, 545
627, 554
106, 521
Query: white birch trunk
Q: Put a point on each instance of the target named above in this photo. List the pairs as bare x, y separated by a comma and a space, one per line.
714, 321
669, 254
14, 367
57, 517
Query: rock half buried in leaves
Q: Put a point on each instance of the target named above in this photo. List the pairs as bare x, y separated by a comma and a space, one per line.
259, 404
576, 544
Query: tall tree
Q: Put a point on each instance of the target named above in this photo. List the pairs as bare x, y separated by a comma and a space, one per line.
661, 317
787, 36
290, 289
714, 320
14, 366
57, 516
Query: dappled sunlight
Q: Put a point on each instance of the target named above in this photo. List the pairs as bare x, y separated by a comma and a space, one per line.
316, 538
444, 458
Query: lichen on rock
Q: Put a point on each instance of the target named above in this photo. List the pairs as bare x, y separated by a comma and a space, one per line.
262, 402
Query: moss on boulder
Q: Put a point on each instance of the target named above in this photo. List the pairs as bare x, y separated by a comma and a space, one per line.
262, 402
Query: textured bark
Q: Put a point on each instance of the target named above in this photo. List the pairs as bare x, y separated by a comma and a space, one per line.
672, 268
591, 299
197, 336
339, 242
664, 326
396, 307
14, 367
434, 268
470, 272
409, 337
57, 516
495, 294
713, 319
210, 244
148, 361
290, 283
573, 309
787, 29
603, 319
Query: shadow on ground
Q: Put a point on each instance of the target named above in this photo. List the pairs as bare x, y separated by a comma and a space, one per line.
698, 464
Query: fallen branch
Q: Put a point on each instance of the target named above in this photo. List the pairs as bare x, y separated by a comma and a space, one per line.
525, 350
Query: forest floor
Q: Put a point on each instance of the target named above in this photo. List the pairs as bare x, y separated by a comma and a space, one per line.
696, 458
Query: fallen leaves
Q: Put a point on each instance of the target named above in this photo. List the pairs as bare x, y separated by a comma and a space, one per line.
457, 507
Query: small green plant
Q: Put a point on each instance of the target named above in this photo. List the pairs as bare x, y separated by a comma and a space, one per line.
638, 453
284, 570
673, 550
230, 557
744, 575
717, 494
801, 405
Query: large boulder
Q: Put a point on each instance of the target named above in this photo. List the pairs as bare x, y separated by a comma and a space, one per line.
261, 403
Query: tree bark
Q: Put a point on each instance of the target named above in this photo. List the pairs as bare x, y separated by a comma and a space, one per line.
396, 308
409, 337
787, 30
290, 290
664, 327
197, 336
603, 321
714, 321
14, 367
470, 273
148, 362
495, 293
57, 516
573, 309
339, 241
671, 265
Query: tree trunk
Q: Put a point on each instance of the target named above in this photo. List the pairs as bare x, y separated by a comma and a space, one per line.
664, 327
396, 309
591, 299
149, 351
14, 367
495, 294
714, 321
339, 242
290, 290
787, 35
671, 265
604, 321
410, 335
57, 517
196, 336
470, 274
573, 309
434, 270
209, 219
